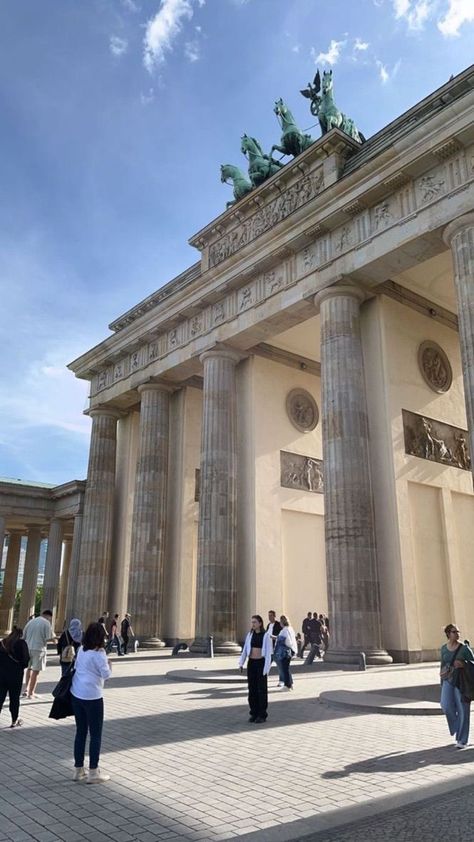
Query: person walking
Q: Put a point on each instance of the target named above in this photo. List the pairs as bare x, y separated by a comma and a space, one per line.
274, 628
257, 651
285, 649
125, 631
92, 668
306, 628
113, 636
455, 707
68, 644
14, 658
315, 634
37, 633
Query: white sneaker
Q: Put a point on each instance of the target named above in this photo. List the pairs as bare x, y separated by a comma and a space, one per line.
279, 684
80, 774
461, 745
97, 777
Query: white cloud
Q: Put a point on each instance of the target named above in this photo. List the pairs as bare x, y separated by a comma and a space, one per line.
162, 30
118, 46
361, 45
295, 49
414, 12
332, 55
458, 13
192, 50
383, 72
147, 98
130, 5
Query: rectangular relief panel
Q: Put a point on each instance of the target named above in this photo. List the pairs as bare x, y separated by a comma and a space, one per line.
436, 441
304, 473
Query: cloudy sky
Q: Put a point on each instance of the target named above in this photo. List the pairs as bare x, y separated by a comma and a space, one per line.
116, 115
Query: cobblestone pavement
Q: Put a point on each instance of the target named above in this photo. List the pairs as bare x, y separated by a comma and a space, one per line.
186, 765
434, 819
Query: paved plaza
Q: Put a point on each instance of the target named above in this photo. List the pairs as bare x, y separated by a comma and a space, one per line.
186, 764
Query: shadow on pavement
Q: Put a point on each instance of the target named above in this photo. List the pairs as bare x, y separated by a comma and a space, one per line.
447, 755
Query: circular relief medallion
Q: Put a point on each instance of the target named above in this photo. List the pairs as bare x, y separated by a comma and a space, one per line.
302, 410
434, 366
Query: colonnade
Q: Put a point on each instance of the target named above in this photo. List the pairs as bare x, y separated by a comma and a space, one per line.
351, 552
57, 578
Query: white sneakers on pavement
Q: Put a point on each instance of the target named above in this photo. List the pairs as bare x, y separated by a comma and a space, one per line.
97, 777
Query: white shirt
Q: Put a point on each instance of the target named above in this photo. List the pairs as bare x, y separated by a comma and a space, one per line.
267, 651
36, 633
288, 636
92, 669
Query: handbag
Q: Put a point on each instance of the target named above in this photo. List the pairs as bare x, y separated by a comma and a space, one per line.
61, 708
68, 653
63, 687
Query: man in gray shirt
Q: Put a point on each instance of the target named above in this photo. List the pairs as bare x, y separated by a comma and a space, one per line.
36, 634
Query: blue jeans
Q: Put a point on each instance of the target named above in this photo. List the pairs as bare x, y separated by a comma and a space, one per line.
456, 711
89, 715
284, 673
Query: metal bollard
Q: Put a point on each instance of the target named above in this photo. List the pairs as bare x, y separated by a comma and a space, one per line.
362, 661
210, 646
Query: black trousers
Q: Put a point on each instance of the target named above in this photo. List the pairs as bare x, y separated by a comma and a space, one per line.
12, 685
257, 682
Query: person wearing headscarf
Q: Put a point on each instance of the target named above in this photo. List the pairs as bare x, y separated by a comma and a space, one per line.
69, 643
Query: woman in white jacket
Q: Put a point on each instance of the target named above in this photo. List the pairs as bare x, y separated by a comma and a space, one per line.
257, 649
286, 648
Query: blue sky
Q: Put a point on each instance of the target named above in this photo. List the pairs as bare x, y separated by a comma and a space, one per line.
116, 115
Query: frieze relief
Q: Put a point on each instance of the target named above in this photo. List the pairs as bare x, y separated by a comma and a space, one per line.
304, 473
267, 217
436, 441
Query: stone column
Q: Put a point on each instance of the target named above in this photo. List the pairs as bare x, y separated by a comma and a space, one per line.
353, 585
2, 537
63, 583
30, 575
97, 523
7, 602
52, 568
216, 576
71, 596
145, 589
459, 235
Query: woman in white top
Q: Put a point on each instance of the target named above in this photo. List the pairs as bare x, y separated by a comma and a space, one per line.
285, 649
92, 668
258, 650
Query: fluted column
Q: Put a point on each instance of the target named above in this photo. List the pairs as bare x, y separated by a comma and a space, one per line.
30, 575
71, 594
216, 575
7, 601
52, 568
2, 537
459, 235
353, 585
63, 583
145, 590
97, 523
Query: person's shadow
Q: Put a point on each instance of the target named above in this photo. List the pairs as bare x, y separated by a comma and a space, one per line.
405, 761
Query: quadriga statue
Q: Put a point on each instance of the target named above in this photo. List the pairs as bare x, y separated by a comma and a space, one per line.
325, 109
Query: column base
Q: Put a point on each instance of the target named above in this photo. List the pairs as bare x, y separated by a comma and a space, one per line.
375, 657
151, 643
200, 646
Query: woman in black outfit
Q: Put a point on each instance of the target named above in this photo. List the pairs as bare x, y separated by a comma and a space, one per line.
14, 658
257, 649
71, 637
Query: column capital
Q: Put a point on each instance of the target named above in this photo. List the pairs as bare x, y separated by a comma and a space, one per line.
222, 353
156, 387
457, 225
106, 412
344, 286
